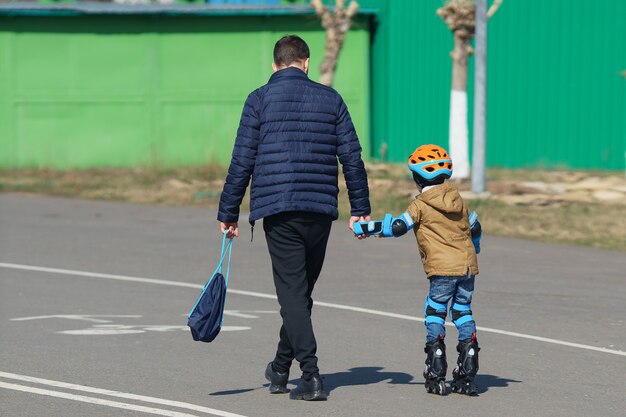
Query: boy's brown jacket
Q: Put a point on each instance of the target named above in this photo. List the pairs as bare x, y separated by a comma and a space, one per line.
443, 232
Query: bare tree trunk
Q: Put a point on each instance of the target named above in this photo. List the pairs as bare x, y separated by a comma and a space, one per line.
460, 16
336, 25
460, 60
458, 134
334, 41
479, 139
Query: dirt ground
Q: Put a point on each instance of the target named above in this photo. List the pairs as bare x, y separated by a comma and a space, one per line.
580, 208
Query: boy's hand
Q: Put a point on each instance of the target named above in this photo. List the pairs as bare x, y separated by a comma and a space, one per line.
354, 219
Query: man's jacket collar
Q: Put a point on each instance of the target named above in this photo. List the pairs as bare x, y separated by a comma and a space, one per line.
289, 72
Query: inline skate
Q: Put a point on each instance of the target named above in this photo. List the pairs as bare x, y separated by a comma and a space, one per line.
466, 368
436, 367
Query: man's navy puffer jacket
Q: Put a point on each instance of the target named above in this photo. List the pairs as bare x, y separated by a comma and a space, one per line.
291, 132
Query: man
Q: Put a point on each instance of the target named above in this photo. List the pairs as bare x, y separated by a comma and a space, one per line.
292, 131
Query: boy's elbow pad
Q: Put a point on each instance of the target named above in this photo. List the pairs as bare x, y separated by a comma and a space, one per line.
476, 242
398, 228
476, 230
388, 227
399, 225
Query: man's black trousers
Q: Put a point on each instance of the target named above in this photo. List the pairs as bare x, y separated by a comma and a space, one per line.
297, 245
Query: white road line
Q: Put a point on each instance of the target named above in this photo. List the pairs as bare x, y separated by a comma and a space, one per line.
110, 393
235, 313
93, 400
82, 317
482, 329
317, 303
97, 275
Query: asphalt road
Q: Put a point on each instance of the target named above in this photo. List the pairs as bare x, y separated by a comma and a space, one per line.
94, 296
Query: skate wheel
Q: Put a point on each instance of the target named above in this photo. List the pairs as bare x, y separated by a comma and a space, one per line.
429, 390
441, 388
472, 391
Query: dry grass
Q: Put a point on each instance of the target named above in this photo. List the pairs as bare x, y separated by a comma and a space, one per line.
593, 224
179, 186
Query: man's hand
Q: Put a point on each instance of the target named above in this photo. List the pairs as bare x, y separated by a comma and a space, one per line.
354, 219
233, 229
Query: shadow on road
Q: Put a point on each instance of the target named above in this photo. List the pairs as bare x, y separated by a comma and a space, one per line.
373, 375
233, 391
364, 375
486, 381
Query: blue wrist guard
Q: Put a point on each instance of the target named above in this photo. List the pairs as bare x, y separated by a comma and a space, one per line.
388, 227
476, 230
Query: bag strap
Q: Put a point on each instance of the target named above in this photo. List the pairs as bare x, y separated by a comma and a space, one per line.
229, 248
226, 247
222, 252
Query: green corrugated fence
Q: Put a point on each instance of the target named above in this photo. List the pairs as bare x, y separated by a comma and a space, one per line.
556, 98
144, 90
167, 90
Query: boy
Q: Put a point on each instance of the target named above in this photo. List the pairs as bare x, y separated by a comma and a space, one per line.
448, 237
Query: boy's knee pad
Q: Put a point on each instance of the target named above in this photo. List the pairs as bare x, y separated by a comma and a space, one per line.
435, 312
461, 314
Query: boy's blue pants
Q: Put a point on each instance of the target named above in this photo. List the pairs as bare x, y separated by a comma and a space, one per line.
442, 290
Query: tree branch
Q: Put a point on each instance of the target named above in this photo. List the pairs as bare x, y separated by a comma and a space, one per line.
352, 9
339, 7
336, 24
319, 7
323, 13
494, 8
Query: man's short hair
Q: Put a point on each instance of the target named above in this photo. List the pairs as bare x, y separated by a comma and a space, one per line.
290, 49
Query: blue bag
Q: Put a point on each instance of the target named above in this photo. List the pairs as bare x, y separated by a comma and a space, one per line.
206, 317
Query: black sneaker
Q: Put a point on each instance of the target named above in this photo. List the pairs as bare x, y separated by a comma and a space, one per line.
278, 380
309, 390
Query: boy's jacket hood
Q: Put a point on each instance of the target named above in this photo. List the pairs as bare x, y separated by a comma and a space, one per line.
444, 198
